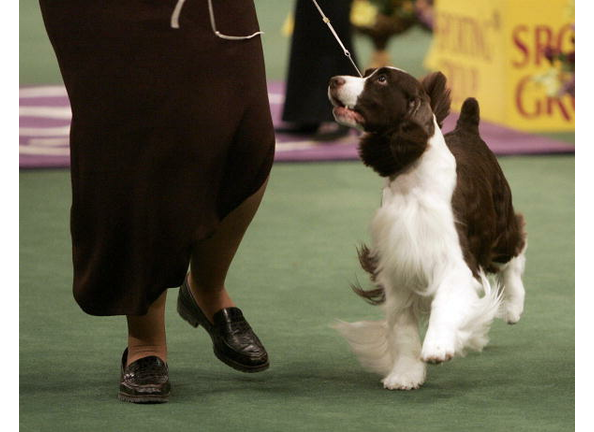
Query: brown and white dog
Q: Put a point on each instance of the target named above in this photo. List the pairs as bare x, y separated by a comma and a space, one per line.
446, 219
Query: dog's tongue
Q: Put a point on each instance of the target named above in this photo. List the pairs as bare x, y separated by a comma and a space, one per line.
346, 115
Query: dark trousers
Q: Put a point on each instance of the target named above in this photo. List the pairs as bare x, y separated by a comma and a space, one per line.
316, 56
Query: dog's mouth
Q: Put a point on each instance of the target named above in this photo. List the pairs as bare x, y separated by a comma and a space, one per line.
345, 115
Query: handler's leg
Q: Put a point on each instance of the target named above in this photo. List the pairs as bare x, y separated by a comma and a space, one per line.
146, 333
212, 257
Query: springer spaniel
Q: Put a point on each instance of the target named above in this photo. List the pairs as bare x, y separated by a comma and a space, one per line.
446, 219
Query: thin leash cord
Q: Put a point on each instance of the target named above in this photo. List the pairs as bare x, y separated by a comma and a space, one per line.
177, 11
178, 7
346, 51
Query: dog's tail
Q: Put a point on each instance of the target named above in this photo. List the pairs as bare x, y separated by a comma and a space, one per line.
473, 334
470, 116
368, 261
368, 341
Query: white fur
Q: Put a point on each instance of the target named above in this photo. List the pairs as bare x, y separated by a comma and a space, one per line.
422, 268
510, 277
348, 93
350, 90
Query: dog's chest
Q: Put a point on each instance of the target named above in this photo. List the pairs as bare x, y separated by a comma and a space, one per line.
414, 233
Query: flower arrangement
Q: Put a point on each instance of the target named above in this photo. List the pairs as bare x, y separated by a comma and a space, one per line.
381, 20
559, 79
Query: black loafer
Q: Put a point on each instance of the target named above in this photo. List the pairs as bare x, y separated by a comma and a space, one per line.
144, 381
234, 341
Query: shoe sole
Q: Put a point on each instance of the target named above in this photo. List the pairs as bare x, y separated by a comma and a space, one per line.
188, 316
143, 399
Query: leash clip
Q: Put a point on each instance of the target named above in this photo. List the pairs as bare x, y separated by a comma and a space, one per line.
345, 51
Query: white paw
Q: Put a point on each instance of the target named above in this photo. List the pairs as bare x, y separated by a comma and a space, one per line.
406, 380
437, 351
513, 311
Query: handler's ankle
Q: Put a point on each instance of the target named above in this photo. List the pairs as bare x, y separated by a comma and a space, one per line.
211, 300
136, 352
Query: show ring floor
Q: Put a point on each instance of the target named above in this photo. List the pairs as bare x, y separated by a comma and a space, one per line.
44, 113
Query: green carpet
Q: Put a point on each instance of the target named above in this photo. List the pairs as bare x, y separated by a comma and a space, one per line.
291, 278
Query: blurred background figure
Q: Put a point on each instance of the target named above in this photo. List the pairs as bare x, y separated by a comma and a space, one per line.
315, 57
382, 20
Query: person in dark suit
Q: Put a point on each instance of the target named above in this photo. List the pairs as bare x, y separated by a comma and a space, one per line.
315, 58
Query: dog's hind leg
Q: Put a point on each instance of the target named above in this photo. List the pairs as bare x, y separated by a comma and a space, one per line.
408, 370
510, 276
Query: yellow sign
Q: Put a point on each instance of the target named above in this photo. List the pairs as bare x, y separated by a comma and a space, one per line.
494, 50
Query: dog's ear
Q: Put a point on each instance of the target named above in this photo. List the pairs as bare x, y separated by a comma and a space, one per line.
435, 85
391, 154
410, 140
376, 152
418, 121
368, 72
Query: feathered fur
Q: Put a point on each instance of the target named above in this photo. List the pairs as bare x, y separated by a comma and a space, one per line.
446, 219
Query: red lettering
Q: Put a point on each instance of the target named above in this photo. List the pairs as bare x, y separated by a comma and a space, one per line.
462, 34
536, 108
552, 102
542, 105
522, 48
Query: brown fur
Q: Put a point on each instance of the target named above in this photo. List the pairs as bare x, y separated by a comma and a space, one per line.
399, 119
398, 122
490, 232
435, 87
369, 264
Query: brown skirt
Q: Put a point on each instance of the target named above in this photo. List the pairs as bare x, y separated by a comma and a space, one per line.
171, 131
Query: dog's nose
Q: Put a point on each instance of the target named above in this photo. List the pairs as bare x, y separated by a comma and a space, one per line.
336, 82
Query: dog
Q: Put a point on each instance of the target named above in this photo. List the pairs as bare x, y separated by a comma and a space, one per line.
446, 221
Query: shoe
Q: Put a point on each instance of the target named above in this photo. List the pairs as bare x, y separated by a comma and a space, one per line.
144, 381
234, 341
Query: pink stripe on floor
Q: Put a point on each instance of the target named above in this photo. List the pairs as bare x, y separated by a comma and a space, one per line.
44, 123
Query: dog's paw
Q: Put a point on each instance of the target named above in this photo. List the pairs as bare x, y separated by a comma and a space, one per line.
410, 379
436, 351
512, 311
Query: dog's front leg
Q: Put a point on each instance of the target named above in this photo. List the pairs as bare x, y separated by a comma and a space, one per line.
408, 370
453, 301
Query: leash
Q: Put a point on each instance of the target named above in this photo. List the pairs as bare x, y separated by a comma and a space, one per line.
327, 22
178, 7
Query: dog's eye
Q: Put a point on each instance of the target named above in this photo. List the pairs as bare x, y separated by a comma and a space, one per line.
382, 79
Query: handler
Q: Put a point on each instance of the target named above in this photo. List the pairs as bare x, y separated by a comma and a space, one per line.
306, 107
171, 147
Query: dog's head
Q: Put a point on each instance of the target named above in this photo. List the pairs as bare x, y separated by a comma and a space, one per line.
398, 112
388, 99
